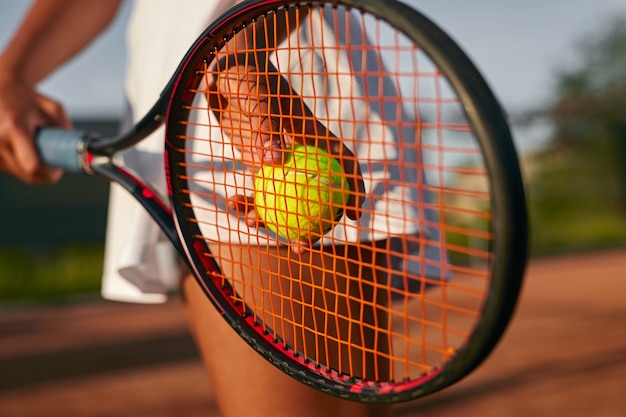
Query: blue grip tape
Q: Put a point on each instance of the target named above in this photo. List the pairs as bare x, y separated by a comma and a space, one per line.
60, 148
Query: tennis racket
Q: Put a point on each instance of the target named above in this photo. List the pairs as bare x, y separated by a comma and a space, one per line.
417, 277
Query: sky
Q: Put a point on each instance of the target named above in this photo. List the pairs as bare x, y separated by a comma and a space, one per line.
519, 46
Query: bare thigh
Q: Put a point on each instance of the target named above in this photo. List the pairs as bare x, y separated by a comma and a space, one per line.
300, 296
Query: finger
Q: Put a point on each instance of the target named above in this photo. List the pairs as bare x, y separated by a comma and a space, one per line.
253, 219
30, 168
54, 113
27, 165
245, 205
299, 247
48, 175
7, 162
247, 93
18, 161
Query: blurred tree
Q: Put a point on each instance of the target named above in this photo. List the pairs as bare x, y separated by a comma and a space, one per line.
578, 183
590, 112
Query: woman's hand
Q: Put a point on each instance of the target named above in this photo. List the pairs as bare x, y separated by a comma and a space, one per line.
262, 116
22, 112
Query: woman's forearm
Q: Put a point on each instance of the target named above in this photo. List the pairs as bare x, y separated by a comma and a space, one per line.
52, 32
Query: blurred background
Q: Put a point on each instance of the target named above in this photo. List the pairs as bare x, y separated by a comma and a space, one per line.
559, 69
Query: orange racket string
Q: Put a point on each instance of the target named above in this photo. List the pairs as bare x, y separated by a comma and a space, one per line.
364, 300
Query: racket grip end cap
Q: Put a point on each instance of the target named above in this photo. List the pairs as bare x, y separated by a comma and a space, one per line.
62, 148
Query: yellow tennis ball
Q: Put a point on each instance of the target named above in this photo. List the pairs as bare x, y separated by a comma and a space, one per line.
300, 200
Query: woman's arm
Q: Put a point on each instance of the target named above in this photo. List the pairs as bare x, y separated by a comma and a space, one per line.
52, 32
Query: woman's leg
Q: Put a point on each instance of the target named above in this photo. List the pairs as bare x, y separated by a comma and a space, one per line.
243, 382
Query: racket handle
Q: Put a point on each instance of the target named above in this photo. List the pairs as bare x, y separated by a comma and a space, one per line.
62, 148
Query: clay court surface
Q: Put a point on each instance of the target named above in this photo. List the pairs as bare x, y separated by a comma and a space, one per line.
563, 355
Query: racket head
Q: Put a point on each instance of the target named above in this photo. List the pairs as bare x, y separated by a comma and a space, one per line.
426, 302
